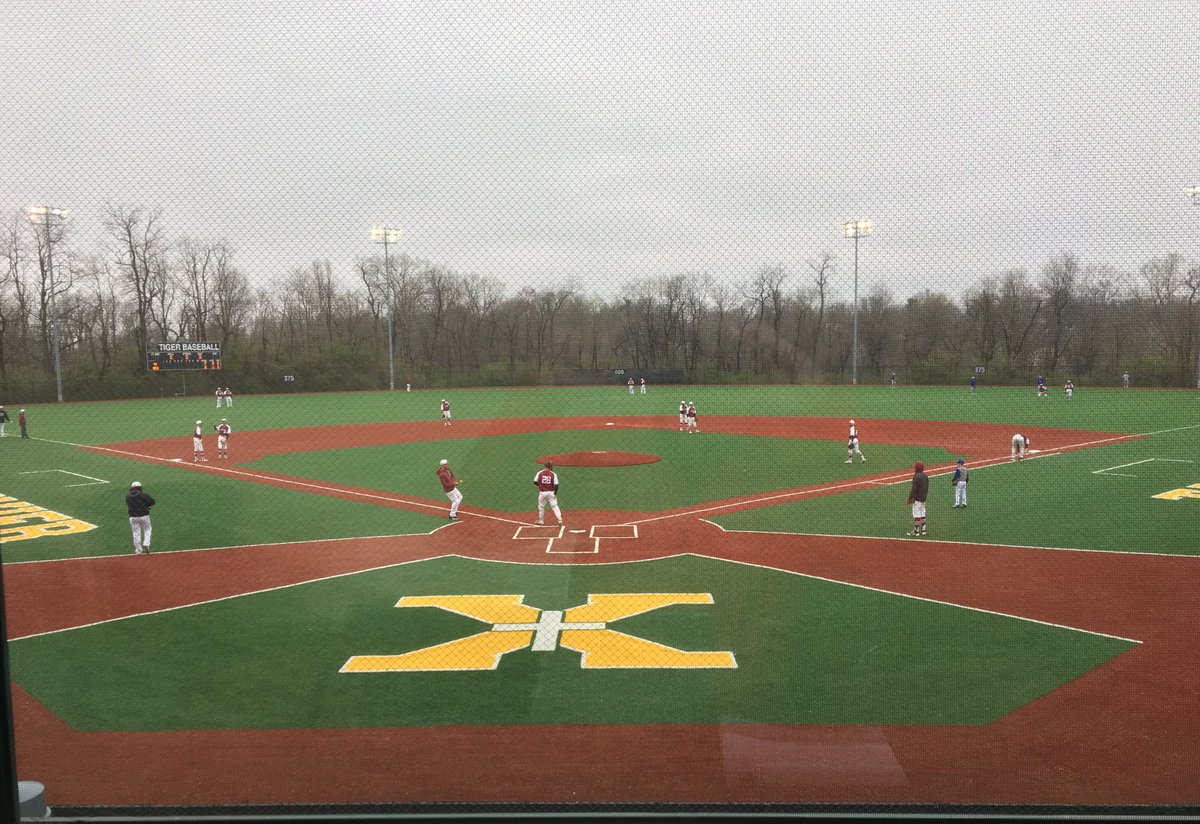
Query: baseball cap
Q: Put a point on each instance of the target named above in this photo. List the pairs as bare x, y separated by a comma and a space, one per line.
852, 420
22, 410
443, 462
136, 484
197, 421
961, 461
919, 467
223, 420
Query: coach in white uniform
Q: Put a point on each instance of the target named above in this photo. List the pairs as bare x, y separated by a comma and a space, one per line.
1019, 442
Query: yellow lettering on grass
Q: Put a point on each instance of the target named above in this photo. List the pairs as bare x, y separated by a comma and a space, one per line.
1192, 491
26, 533
19, 521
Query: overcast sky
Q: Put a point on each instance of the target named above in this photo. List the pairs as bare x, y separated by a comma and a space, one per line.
603, 142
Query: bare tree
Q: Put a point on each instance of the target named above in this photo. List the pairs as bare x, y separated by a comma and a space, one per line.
1058, 290
138, 248
822, 268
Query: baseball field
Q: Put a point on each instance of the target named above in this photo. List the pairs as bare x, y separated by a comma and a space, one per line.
733, 614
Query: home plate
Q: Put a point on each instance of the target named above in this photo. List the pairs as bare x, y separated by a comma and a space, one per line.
577, 531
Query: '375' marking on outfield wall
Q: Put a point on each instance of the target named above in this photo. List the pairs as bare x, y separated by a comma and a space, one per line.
516, 625
1192, 491
23, 521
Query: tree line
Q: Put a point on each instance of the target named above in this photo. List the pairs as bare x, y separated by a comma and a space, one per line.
142, 285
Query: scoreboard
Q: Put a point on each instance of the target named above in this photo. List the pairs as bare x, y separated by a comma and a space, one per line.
165, 357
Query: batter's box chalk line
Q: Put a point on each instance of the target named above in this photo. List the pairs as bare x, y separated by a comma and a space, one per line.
595, 534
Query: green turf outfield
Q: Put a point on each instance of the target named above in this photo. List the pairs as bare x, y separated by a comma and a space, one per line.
808, 652
497, 472
194, 510
1101, 409
1088, 500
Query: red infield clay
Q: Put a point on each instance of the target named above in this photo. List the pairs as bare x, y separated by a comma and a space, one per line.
607, 457
1120, 734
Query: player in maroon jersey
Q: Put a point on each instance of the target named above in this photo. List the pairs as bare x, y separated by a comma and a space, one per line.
546, 482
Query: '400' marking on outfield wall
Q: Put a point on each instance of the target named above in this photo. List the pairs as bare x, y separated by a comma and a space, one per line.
516, 626
22, 521
1192, 491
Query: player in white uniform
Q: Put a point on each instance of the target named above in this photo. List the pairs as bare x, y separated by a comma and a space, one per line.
852, 445
629, 383
682, 416
223, 430
692, 425
546, 482
445, 412
1019, 443
228, 395
643, 386
220, 393
198, 443
1069, 389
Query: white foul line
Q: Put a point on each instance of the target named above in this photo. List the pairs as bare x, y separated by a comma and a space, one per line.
1135, 463
887, 481
279, 480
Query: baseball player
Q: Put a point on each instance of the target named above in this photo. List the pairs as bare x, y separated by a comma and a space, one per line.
692, 425
917, 496
1069, 390
138, 503
228, 396
198, 443
4, 420
959, 482
852, 445
1041, 390
643, 386
450, 487
630, 384
972, 384
220, 393
546, 482
893, 380
23, 424
1019, 444
445, 412
223, 431
682, 416
1125, 379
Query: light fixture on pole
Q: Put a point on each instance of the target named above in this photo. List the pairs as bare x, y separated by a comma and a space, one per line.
859, 227
387, 236
46, 215
1194, 193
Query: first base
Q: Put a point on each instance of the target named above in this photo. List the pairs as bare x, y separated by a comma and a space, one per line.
610, 423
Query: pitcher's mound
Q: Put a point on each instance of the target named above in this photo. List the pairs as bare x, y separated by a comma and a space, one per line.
606, 457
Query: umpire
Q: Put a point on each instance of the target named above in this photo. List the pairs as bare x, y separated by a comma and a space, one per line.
139, 504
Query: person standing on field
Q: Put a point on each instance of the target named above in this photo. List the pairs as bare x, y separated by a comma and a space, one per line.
1125, 380
223, 430
682, 416
450, 487
21, 422
630, 386
917, 496
198, 444
959, 482
3, 420
228, 395
972, 384
692, 424
643, 386
852, 445
445, 412
893, 380
1019, 443
138, 503
1069, 390
220, 393
546, 481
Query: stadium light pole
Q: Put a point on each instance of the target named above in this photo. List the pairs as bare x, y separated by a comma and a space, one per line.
1193, 192
859, 227
46, 215
387, 236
